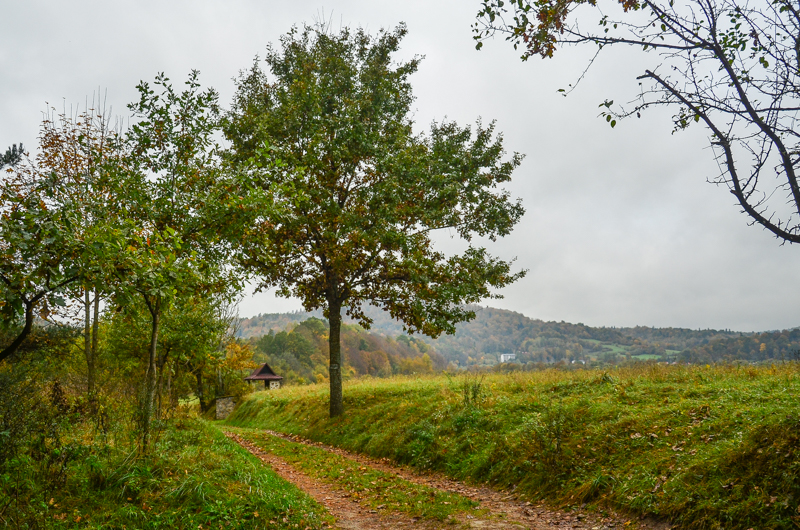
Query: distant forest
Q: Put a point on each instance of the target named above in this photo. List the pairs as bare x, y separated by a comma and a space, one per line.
300, 352
386, 349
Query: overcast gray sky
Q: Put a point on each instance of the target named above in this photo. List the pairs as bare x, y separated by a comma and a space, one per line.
621, 227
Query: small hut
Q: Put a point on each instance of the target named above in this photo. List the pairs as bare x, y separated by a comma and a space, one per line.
265, 373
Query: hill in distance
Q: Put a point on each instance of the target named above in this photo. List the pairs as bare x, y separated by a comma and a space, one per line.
498, 331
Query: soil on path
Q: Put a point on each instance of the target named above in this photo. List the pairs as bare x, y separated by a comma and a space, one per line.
349, 514
506, 510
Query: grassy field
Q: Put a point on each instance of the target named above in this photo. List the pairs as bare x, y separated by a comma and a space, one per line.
195, 478
704, 447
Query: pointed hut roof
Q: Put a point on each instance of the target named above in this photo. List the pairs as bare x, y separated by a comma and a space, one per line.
263, 373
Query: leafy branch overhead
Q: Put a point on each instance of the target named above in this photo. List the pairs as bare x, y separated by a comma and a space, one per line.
729, 65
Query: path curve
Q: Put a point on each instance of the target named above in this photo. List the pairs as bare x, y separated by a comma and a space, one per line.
514, 512
349, 514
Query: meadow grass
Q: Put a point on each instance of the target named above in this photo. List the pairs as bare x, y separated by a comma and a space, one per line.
195, 478
702, 446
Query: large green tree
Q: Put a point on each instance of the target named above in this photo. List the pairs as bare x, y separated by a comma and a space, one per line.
84, 150
345, 197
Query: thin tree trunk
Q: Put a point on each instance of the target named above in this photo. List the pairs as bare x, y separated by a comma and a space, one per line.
95, 337
198, 374
169, 389
162, 362
150, 389
87, 342
335, 345
90, 339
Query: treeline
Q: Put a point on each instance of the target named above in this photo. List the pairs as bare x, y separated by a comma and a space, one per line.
261, 324
300, 353
770, 346
497, 331
480, 341
677, 338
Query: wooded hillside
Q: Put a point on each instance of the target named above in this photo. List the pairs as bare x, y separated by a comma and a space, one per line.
300, 352
497, 331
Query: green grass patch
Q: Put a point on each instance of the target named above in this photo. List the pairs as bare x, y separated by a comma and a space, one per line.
705, 447
646, 357
195, 478
615, 348
373, 488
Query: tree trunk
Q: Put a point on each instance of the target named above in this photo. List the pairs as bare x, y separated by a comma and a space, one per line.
87, 341
90, 330
91, 327
335, 344
162, 362
150, 388
172, 401
26, 330
95, 339
198, 374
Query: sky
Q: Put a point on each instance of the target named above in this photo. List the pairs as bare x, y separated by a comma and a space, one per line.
622, 227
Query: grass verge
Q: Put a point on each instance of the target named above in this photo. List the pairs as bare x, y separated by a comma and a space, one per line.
195, 478
705, 447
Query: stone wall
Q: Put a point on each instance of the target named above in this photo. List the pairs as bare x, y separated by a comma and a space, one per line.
224, 407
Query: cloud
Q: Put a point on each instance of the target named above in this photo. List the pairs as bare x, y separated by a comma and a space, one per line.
621, 229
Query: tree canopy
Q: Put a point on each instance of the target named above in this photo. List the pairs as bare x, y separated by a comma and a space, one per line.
54, 209
171, 249
730, 65
13, 155
346, 197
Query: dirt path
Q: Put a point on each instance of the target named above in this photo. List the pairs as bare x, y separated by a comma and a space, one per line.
348, 512
505, 510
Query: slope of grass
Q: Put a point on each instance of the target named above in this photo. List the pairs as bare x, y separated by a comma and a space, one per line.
195, 478
706, 447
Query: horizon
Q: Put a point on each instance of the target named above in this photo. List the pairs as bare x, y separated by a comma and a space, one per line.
721, 330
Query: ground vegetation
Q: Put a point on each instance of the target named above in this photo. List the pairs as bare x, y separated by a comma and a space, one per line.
701, 447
